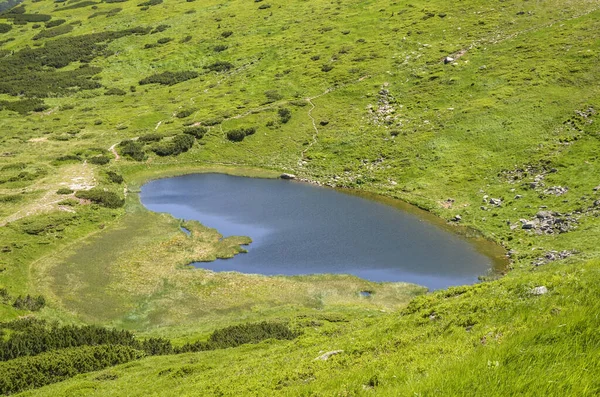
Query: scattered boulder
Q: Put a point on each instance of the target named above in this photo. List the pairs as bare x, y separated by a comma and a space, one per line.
287, 176
556, 190
495, 202
597, 188
542, 290
552, 256
448, 60
326, 356
457, 218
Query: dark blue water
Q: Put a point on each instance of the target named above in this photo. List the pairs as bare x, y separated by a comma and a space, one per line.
299, 228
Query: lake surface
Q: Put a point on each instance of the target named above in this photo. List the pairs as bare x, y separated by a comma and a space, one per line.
299, 228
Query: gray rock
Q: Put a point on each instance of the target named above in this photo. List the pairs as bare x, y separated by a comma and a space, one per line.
495, 202
597, 188
518, 196
457, 218
448, 60
544, 215
326, 356
528, 225
539, 290
288, 176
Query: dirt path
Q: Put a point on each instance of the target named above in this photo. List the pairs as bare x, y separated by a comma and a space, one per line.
75, 177
114, 151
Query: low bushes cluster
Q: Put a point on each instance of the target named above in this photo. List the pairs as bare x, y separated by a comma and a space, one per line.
99, 160
5, 27
184, 113
133, 150
196, 131
49, 33
219, 66
64, 190
239, 134
114, 177
114, 91
55, 22
150, 138
169, 78
29, 302
99, 196
284, 115
179, 144
80, 4
24, 106
59, 365
35, 353
32, 71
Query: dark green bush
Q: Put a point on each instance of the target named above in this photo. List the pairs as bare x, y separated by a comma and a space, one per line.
169, 78
56, 366
29, 303
114, 177
196, 131
150, 138
273, 96
220, 48
150, 3
69, 158
226, 33
64, 190
24, 106
131, 149
219, 66
284, 115
114, 91
49, 33
5, 28
184, 113
99, 196
238, 135
81, 4
179, 144
46, 223
55, 22
99, 160
264, 6
326, 68
164, 40
185, 39
114, 1
42, 80
160, 28
22, 19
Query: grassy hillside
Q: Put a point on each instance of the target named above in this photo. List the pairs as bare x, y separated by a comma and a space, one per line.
483, 110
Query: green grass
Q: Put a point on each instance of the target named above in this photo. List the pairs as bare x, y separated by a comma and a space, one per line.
513, 105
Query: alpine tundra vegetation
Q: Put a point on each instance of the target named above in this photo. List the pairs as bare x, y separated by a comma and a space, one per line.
485, 114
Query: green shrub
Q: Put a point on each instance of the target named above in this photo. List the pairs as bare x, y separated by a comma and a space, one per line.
179, 144
150, 138
184, 113
164, 40
81, 4
131, 149
99, 196
64, 190
219, 66
150, 3
114, 91
284, 115
41, 224
99, 160
56, 366
49, 33
220, 48
5, 28
226, 34
238, 135
55, 22
196, 131
24, 106
169, 78
69, 202
114, 177
29, 303
273, 96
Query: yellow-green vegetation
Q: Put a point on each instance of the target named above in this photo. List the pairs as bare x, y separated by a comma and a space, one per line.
483, 113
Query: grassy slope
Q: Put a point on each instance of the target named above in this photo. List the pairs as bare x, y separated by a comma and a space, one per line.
507, 103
